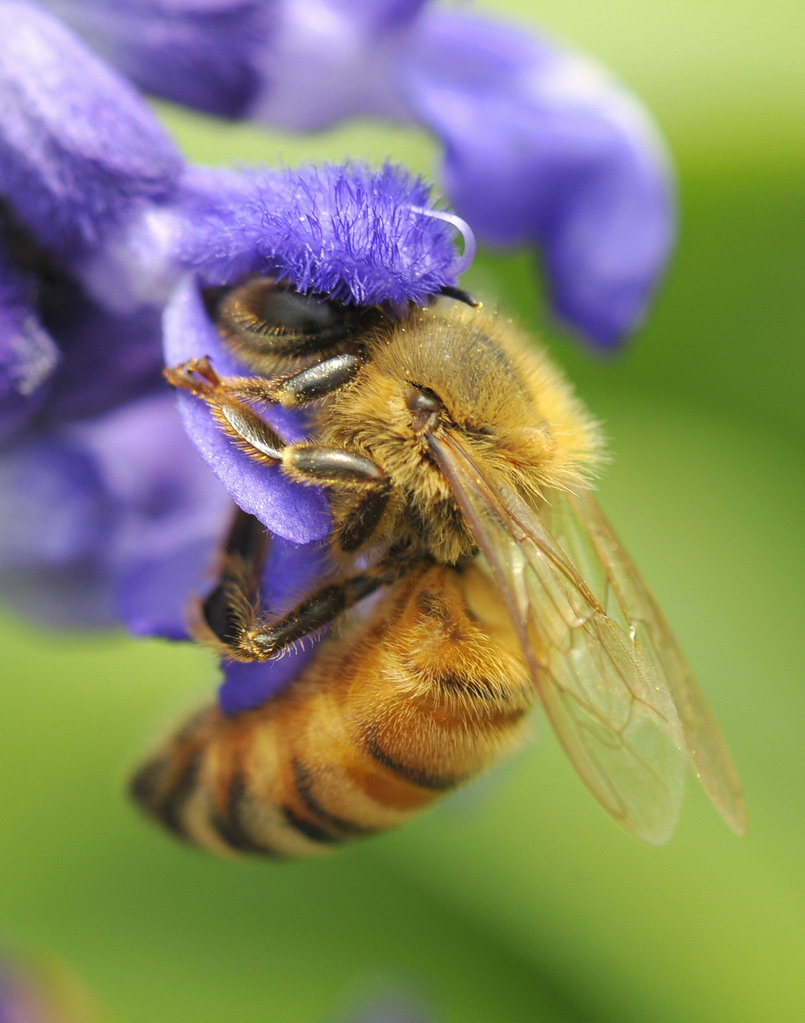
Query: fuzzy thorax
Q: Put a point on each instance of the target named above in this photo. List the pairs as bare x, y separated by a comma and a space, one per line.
496, 391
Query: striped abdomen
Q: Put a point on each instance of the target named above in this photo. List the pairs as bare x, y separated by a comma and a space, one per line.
414, 701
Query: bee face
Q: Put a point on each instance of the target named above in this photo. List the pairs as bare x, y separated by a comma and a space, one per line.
457, 371
457, 461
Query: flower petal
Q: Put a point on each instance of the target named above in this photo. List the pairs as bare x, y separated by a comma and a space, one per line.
57, 530
352, 232
54, 506
173, 513
154, 592
541, 147
238, 58
107, 359
332, 59
292, 511
78, 147
246, 686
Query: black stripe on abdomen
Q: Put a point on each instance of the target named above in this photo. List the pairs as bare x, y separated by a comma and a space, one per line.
414, 775
230, 825
167, 807
307, 828
304, 787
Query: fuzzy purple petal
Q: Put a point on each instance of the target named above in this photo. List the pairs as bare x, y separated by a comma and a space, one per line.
373, 18
201, 53
354, 233
292, 511
78, 147
73, 597
299, 63
541, 147
114, 517
28, 354
58, 525
154, 596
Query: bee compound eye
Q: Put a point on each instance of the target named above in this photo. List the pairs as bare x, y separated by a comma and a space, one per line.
423, 399
269, 316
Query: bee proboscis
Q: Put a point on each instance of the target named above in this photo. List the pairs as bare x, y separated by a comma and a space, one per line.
458, 465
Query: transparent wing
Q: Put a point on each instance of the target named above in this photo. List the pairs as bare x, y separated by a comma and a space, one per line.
582, 530
612, 713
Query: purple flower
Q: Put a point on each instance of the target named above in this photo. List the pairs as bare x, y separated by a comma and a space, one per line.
108, 513
540, 147
81, 158
110, 242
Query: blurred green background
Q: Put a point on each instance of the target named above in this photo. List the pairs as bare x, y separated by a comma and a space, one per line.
518, 899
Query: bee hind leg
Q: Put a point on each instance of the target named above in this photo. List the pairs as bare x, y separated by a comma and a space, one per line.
323, 607
232, 617
230, 610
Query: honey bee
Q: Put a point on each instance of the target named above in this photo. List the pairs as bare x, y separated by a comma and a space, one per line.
458, 464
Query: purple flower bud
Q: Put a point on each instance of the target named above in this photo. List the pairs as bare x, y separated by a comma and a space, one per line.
78, 147
28, 355
541, 148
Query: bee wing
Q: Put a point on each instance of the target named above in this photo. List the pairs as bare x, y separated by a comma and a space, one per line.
589, 541
614, 716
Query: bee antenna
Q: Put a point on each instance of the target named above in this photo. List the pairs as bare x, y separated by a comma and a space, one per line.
460, 295
463, 228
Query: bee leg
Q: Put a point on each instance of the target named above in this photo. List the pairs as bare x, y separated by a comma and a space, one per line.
230, 609
229, 397
293, 390
323, 607
316, 381
330, 467
235, 416
334, 467
230, 612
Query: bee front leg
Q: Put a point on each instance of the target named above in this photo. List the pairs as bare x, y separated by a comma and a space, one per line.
229, 398
225, 395
292, 390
